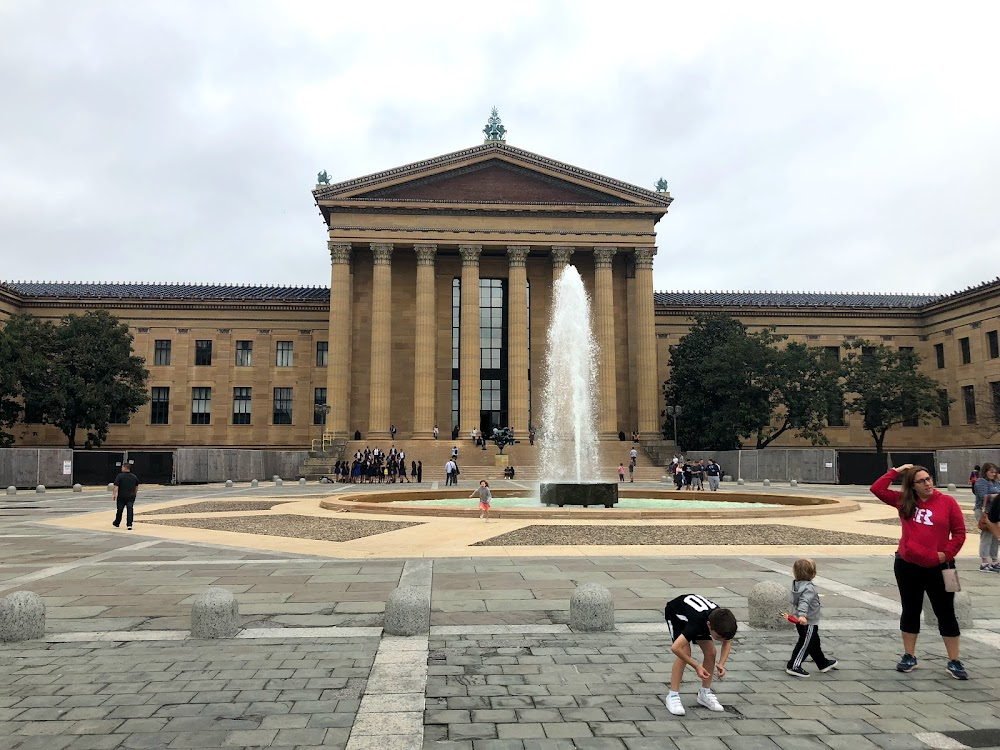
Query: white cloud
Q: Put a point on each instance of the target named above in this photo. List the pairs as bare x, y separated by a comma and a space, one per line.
807, 147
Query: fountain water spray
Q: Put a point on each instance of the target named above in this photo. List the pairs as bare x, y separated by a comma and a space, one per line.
569, 449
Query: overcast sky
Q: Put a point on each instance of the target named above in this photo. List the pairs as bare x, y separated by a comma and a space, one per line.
808, 146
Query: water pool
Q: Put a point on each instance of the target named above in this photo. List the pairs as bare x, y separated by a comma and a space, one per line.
623, 502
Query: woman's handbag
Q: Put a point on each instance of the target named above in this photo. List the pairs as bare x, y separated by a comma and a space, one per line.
951, 583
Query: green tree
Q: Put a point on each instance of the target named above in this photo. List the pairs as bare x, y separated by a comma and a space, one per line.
715, 377
25, 357
800, 381
887, 389
92, 380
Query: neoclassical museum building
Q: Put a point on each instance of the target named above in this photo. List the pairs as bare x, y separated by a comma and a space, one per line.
441, 276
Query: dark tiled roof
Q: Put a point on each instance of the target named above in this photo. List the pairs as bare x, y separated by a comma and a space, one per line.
104, 291
793, 299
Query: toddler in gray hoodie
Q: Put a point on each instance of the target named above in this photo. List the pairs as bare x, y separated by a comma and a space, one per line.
805, 606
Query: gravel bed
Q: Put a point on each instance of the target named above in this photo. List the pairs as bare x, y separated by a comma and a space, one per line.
217, 506
297, 527
700, 535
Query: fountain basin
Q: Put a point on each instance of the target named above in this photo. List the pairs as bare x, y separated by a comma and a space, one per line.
579, 493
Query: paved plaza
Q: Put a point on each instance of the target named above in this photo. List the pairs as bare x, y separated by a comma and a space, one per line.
500, 668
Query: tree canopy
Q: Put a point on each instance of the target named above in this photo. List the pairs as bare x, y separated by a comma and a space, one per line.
732, 383
887, 389
79, 375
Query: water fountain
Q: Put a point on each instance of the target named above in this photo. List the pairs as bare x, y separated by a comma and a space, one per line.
570, 453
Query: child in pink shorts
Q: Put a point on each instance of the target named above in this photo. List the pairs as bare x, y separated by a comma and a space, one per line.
484, 499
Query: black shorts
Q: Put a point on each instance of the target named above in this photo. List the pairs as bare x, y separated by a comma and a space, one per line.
677, 626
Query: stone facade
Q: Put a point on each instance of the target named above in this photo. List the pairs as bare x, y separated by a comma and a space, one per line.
399, 240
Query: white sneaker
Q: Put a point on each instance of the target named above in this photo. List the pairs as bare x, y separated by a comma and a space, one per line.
482, 516
674, 704
707, 699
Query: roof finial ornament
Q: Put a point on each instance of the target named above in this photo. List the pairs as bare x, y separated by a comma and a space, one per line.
661, 185
323, 178
494, 130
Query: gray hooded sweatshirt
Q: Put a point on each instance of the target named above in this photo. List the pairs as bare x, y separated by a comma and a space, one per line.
805, 601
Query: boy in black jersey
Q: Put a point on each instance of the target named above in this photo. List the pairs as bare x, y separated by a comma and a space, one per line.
692, 618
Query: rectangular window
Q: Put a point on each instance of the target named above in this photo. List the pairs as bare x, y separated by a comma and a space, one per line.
322, 353
160, 406
319, 401
906, 349
945, 408
969, 399
835, 411
241, 405
995, 392
161, 352
201, 406
992, 344
203, 352
32, 413
939, 354
963, 345
284, 354
244, 353
282, 406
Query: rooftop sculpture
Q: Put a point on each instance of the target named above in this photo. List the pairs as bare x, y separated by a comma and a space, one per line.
494, 130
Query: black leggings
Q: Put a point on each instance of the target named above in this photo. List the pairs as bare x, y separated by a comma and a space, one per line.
913, 580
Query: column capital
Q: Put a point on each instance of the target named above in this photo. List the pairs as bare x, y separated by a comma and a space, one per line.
470, 254
517, 255
644, 258
560, 255
339, 252
425, 254
382, 252
603, 256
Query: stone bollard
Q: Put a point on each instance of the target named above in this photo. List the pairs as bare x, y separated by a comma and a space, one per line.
408, 611
793, 483
111, 486
215, 614
767, 482
727, 478
963, 611
22, 617
229, 483
275, 478
665, 480
40, 489
740, 481
12, 490
77, 488
951, 486
591, 609
253, 483
302, 480
279, 482
766, 602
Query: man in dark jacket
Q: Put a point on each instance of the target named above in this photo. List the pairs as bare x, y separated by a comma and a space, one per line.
126, 485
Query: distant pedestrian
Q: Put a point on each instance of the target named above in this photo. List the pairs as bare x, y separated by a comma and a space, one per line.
437, 432
633, 455
449, 472
621, 472
631, 468
713, 471
974, 477
484, 499
126, 485
420, 472
392, 432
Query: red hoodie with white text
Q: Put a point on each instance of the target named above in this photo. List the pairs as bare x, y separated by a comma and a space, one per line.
937, 526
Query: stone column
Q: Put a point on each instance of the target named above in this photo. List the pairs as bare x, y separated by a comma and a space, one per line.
381, 342
469, 356
604, 329
517, 340
646, 379
338, 358
425, 344
560, 259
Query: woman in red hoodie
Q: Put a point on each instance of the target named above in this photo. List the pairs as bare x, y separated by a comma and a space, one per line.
933, 533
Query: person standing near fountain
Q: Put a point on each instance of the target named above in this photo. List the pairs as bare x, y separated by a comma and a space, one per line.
484, 499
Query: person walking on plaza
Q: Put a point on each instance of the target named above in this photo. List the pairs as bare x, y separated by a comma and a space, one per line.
933, 533
987, 491
621, 472
805, 606
631, 470
420, 471
449, 472
123, 494
713, 472
437, 432
484, 499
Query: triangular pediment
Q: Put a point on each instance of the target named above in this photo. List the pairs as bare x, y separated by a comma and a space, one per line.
491, 173
493, 180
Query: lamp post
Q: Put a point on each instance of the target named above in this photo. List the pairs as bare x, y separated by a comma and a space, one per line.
322, 410
675, 411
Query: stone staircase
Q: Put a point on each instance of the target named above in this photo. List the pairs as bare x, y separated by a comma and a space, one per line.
475, 463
